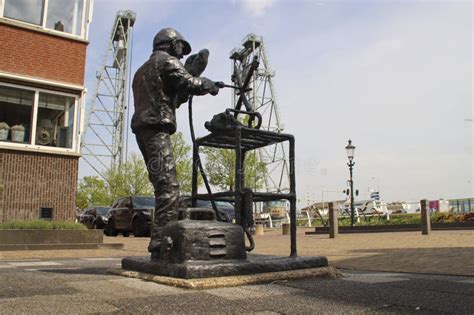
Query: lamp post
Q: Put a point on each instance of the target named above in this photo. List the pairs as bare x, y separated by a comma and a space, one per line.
350, 155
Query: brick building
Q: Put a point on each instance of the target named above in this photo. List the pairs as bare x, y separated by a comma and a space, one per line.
42, 94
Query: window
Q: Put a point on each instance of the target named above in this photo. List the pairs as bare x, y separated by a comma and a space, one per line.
30, 11
37, 117
46, 213
66, 16
55, 120
16, 111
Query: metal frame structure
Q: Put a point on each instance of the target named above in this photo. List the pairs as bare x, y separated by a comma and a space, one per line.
261, 98
242, 140
103, 142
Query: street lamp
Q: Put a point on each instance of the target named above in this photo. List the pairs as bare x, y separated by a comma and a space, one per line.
350, 155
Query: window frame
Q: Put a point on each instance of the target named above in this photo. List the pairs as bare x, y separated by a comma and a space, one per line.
87, 9
31, 145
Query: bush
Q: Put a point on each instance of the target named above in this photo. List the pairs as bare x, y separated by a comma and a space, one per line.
41, 225
404, 218
382, 220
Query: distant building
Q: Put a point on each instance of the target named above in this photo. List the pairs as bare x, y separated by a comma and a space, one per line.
461, 204
42, 94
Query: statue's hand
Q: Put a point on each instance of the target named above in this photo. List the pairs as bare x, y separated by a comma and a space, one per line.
197, 63
210, 86
219, 84
214, 90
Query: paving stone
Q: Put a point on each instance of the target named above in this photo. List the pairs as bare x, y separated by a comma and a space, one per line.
194, 302
34, 263
18, 283
375, 277
123, 288
57, 304
393, 252
237, 293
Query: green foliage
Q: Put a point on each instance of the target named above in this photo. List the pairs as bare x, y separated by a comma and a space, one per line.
412, 218
403, 218
132, 178
129, 179
181, 152
41, 225
92, 191
220, 168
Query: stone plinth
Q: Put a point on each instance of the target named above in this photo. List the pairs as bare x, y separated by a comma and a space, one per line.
254, 264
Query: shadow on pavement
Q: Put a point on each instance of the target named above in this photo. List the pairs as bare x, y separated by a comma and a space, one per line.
81, 271
444, 260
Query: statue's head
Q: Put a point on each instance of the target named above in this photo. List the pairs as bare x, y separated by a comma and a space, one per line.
168, 39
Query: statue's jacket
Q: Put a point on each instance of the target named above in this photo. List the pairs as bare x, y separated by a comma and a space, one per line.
160, 85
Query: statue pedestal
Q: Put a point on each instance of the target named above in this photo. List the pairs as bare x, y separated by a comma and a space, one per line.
191, 269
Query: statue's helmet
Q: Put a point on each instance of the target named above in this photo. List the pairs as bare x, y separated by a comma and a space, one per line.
168, 35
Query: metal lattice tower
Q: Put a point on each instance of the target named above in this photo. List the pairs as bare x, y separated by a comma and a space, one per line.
103, 142
262, 99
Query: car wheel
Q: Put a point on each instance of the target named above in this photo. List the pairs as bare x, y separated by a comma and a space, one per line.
94, 225
126, 234
139, 227
110, 229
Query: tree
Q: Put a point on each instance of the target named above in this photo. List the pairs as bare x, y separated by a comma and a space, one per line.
132, 178
183, 162
129, 179
92, 191
220, 168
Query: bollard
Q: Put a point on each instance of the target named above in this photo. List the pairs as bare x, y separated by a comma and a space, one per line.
425, 217
333, 222
285, 228
258, 229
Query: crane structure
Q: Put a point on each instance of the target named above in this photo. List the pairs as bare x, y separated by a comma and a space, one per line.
262, 99
103, 142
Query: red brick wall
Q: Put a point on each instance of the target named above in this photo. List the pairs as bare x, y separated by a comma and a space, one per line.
33, 180
41, 55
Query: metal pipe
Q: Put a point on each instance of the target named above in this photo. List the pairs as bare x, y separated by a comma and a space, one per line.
293, 252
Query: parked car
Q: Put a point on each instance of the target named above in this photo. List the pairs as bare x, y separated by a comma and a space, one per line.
131, 215
225, 208
95, 217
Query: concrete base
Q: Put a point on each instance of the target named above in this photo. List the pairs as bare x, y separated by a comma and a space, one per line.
11, 247
231, 281
49, 237
254, 264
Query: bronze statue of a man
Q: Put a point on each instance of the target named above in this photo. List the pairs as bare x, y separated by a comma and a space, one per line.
160, 85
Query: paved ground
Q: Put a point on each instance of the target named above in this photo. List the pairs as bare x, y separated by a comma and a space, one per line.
442, 252
63, 281
81, 285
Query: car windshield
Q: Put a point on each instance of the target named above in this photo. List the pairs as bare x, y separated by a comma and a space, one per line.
102, 210
143, 202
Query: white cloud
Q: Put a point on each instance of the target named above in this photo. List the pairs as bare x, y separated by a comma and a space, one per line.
257, 7
396, 78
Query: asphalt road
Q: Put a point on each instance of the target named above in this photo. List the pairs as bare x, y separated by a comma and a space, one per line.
83, 286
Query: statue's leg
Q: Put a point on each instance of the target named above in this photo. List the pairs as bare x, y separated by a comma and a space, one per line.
162, 172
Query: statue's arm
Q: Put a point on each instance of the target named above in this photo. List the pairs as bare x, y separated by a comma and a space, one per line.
184, 82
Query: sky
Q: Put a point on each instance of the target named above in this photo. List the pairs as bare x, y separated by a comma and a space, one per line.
396, 77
